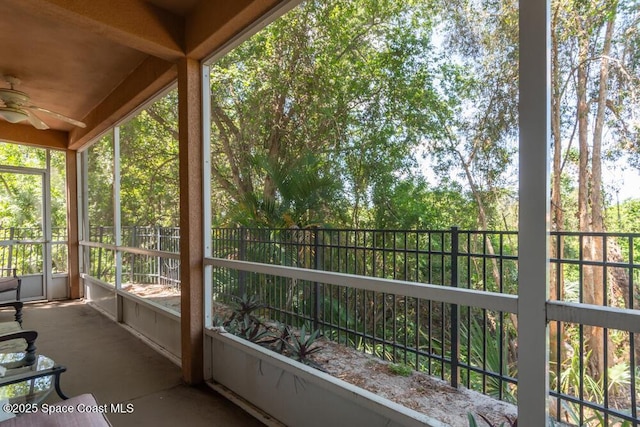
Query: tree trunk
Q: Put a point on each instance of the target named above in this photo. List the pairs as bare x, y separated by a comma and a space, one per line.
593, 220
591, 281
556, 273
597, 203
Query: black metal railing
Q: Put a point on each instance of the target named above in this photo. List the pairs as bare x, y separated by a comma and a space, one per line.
428, 335
594, 370
22, 248
464, 345
137, 268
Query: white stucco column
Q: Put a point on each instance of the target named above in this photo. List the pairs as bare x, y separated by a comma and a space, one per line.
533, 251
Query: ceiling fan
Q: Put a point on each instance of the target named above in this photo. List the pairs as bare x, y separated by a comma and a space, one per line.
16, 107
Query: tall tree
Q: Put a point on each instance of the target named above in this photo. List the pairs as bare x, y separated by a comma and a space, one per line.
591, 65
149, 165
100, 185
479, 79
347, 81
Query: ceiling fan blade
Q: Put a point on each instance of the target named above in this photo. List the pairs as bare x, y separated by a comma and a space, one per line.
58, 116
35, 121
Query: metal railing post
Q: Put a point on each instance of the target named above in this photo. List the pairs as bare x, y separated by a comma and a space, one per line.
132, 257
455, 311
316, 285
242, 248
100, 253
158, 259
11, 237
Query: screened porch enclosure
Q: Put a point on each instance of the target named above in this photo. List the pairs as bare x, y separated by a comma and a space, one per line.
436, 300
33, 234
359, 288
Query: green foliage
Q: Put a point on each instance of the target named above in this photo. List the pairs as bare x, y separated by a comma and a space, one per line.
484, 351
58, 191
100, 182
244, 323
337, 313
348, 82
574, 380
400, 369
411, 204
22, 156
302, 346
245, 310
247, 329
594, 38
21, 200
280, 337
624, 217
599, 419
303, 191
149, 184
320, 119
508, 423
477, 118
21, 203
381, 351
472, 420
22, 207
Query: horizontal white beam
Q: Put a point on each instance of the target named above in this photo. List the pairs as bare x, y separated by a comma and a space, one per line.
149, 303
96, 281
465, 297
594, 315
91, 244
149, 252
128, 249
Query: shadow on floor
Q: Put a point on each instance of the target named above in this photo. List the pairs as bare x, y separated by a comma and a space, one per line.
104, 359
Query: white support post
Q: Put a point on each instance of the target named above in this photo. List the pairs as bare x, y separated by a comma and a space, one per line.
117, 225
533, 253
83, 213
47, 275
206, 212
206, 192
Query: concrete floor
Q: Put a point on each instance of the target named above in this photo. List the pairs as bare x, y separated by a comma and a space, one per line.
104, 359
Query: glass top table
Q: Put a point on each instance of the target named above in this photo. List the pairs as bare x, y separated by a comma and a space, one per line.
24, 383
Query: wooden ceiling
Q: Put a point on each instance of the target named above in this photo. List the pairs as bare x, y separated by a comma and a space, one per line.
98, 60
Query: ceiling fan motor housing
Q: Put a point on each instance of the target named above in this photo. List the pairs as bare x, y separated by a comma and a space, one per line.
16, 107
13, 98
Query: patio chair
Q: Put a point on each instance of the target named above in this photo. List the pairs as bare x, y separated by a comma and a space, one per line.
17, 316
8, 342
10, 282
13, 338
21, 340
